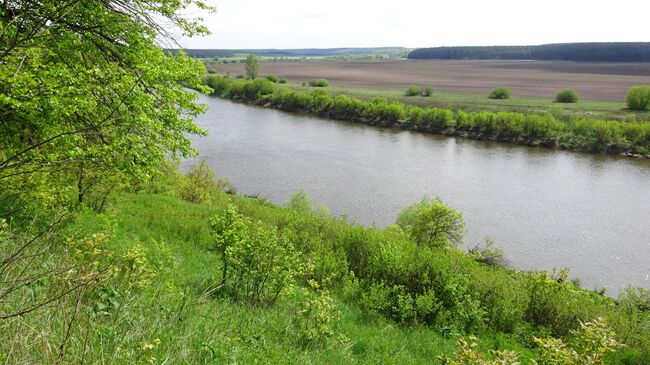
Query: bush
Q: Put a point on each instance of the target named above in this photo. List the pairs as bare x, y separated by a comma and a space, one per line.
282, 80
469, 353
300, 203
427, 91
200, 184
315, 318
431, 223
318, 83
273, 78
412, 91
638, 98
258, 263
254, 90
488, 254
218, 84
567, 96
500, 92
592, 342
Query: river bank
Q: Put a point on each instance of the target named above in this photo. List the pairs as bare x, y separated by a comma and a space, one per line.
593, 136
546, 208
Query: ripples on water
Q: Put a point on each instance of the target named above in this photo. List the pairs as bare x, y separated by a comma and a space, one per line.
546, 208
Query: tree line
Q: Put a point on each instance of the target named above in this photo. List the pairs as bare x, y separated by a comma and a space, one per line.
589, 52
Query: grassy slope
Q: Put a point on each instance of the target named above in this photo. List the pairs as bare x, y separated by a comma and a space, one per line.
476, 102
208, 329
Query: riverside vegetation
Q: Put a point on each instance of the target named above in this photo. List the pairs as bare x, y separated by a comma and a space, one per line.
227, 278
615, 137
109, 255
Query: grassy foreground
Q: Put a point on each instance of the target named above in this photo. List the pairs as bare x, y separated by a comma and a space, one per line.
358, 295
174, 319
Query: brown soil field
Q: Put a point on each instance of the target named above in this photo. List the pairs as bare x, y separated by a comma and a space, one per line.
594, 81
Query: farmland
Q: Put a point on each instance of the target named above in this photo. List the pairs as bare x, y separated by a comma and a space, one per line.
602, 86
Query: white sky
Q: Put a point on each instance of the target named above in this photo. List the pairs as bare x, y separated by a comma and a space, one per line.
415, 23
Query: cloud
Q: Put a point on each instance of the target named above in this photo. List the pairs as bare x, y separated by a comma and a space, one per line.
416, 23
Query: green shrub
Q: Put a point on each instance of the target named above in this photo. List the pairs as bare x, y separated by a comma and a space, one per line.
300, 203
258, 262
318, 83
638, 98
469, 353
219, 84
556, 303
200, 184
282, 80
500, 92
273, 78
315, 318
431, 223
255, 90
412, 91
567, 96
488, 254
426, 91
592, 342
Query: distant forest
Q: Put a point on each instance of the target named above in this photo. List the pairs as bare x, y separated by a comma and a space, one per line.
604, 52
306, 52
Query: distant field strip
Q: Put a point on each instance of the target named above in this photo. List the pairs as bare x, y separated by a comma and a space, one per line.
541, 79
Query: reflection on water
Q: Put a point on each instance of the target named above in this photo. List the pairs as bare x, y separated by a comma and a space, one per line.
546, 208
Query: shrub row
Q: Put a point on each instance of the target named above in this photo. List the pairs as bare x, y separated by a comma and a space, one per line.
414, 90
388, 272
528, 129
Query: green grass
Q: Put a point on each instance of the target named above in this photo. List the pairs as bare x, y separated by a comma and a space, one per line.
216, 331
175, 318
196, 328
476, 102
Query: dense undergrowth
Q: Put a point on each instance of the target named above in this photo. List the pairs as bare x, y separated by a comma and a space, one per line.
232, 279
615, 137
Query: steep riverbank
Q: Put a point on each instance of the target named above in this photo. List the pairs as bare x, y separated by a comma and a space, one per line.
594, 136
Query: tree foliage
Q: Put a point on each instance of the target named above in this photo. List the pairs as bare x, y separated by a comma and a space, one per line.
500, 92
432, 223
567, 96
87, 93
638, 98
252, 66
604, 52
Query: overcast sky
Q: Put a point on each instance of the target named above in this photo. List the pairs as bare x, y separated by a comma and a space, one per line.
420, 23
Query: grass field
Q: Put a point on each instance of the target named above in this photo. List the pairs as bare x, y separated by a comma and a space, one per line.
475, 102
466, 84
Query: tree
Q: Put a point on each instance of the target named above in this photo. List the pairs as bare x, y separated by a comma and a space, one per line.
567, 96
87, 94
89, 102
252, 66
432, 223
638, 98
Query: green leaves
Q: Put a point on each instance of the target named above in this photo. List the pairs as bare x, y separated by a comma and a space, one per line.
258, 262
433, 224
85, 88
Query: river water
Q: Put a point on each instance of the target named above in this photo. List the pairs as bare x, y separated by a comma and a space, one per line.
545, 208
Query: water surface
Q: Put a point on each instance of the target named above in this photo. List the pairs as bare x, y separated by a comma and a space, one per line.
545, 208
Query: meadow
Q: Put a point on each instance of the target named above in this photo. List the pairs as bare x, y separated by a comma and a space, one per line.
185, 271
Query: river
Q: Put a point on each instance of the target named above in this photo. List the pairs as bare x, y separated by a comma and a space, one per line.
545, 208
